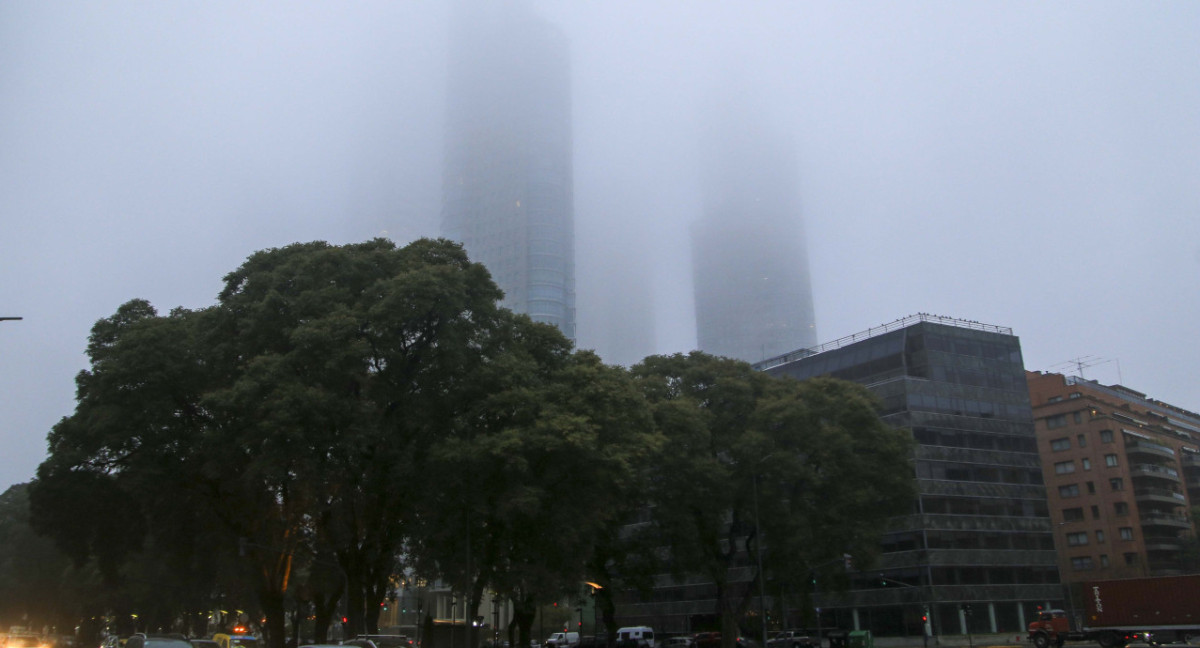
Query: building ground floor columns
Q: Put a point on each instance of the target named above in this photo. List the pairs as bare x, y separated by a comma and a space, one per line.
945, 618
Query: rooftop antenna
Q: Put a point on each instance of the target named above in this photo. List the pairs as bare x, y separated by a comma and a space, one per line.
1083, 362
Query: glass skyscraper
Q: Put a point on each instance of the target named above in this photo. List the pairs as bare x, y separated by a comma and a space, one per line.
749, 259
507, 187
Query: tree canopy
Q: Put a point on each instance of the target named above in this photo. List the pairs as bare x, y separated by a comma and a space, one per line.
345, 413
795, 472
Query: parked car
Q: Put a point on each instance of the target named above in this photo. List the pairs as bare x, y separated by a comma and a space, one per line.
154, 641
706, 640
680, 642
791, 639
379, 641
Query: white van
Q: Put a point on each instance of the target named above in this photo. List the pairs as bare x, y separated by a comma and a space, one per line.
563, 640
639, 636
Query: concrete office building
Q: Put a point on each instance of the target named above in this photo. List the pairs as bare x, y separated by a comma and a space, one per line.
753, 297
980, 534
508, 187
1122, 471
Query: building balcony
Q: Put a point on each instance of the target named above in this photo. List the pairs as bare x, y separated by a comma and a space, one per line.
1138, 447
1155, 519
1154, 545
1159, 495
1189, 460
1154, 471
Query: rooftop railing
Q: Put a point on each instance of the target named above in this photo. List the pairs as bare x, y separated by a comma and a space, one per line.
901, 323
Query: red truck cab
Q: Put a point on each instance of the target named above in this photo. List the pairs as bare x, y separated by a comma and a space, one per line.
1051, 628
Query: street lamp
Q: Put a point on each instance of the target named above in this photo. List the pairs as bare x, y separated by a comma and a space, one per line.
762, 611
758, 532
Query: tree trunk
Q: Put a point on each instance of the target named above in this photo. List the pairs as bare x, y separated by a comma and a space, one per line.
523, 614
355, 605
608, 612
324, 607
271, 601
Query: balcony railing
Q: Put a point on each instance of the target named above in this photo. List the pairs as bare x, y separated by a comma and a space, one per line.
1139, 446
1151, 518
1152, 470
1160, 494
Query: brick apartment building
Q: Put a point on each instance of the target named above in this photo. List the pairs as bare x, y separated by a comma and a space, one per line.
1122, 471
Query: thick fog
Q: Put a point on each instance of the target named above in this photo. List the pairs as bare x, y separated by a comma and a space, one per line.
1025, 164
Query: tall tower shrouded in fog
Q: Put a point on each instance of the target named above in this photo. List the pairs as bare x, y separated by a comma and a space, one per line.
749, 259
507, 189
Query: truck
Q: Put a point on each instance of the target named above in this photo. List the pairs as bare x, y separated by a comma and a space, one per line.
1160, 609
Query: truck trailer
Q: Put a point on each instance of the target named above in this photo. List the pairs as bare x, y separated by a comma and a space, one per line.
1160, 609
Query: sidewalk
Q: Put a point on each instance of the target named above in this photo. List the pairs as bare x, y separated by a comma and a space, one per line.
1008, 640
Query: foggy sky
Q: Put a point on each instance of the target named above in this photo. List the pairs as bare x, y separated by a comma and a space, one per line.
1026, 164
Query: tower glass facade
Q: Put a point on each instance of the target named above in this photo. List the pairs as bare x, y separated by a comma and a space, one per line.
750, 267
977, 551
507, 187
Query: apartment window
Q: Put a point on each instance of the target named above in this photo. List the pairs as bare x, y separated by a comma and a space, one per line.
1082, 438
1131, 559
1073, 515
1117, 483
1054, 399
1082, 563
1095, 512
1110, 460
1121, 508
1057, 421
1075, 395
1099, 537
1091, 488
1077, 539
1059, 445
1077, 417
1104, 560
1105, 436
1087, 463
1126, 533
1064, 467
1070, 490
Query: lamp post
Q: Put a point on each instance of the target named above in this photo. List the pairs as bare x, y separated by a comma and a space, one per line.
762, 611
758, 534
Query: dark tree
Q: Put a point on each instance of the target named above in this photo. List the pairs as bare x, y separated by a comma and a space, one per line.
799, 471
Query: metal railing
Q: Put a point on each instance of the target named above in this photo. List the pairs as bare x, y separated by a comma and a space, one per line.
901, 323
